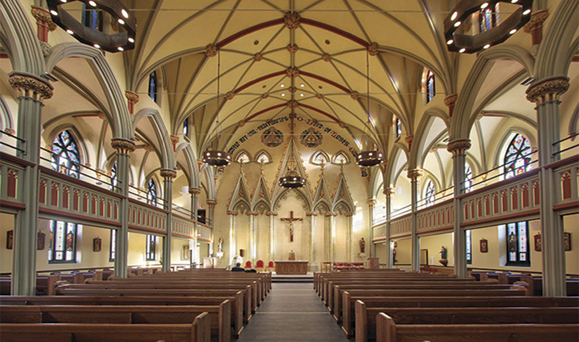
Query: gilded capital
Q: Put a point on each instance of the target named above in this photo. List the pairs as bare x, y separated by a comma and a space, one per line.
311, 213
547, 90
43, 18
211, 203
232, 213
536, 21
458, 147
123, 146
149, 148
415, 174
194, 191
132, 96
292, 20
30, 86
271, 213
168, 174
450, 100
371, 202
389, 191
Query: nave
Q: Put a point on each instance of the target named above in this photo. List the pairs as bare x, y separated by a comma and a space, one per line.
292, 312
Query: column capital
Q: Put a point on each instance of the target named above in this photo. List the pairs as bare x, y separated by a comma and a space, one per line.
211, 203
311, 213
389, 191
414, 174
232, 213
174, 141
168, 174
123, 146
371, 202
458, 147
271, 213
536, 21
30, 86
450, 101
549, 89
43, 18
132, 96
330, 214
252, 213
195, 191
349, 214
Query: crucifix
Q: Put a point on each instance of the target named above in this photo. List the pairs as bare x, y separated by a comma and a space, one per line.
291, 220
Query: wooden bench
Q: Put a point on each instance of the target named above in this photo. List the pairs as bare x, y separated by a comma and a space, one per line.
366, 316
220, 316
45, 284
198, 331
389, 331
536, 285
236, 303
348, 312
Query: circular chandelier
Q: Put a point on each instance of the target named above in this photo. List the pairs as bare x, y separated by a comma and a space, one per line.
216, 158
369, 158
292, 180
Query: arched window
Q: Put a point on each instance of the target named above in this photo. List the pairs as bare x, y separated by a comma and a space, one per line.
263, 158
153, 86
430, 89
517, 158
517, 244
92, 18
65, 155
340, 158
429, 192
467, 177
151, 248
151, 192
114, 176
398, 127
62, 242
243, 157
186, 127
320, 157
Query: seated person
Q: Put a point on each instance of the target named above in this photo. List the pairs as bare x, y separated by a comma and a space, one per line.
238, 268
251, 271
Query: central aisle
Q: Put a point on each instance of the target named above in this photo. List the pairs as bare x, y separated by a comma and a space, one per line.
292, 312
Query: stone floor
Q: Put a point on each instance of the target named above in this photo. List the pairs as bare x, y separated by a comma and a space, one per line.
293, 312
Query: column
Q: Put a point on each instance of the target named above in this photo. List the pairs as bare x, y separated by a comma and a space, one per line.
232, 235
546, 94
32, 91
252, 236
535, 27
123, 148
389, 257
272, 216
349, 257
371, 203
332, 223
44, 23
414, 176
132, 99
211, 212
312, 219
458, 149
194, 202
168, 176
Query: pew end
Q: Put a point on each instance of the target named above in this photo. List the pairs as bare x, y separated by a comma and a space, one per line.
385, 328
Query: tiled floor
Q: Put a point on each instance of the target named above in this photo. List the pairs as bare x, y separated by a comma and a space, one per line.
292, 312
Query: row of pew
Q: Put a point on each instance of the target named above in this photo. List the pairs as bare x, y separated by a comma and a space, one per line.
199, 305
397, 306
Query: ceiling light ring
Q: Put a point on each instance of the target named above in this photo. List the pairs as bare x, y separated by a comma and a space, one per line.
496, 35
89, 36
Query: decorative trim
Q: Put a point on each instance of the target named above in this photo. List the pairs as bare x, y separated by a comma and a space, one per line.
415, 174
354, 95
258, 57
371, 202
326, 57
30, 86
293, 104
537, 20
271, 213
232, 213
292, 20
373, 49
123, 146
450, 101
132, 96
458, 147
43, 18
311, 213
292, 72
211, 203
547, 90
211, 50
292, 48
168, 174
195, 191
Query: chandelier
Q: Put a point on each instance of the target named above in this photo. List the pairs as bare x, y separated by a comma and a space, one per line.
292, 180
217, 157
369, 157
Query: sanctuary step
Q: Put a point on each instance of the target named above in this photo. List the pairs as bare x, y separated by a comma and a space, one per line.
290, 278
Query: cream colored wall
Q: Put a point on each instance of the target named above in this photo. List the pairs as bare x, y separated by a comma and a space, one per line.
403, 251
571, 225
380, 252
5, 254
137, 250
434, 243
178, 245
263, 233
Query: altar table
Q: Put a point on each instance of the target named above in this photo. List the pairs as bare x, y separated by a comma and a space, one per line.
291, 266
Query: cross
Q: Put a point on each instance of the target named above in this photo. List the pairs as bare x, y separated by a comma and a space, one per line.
291, 220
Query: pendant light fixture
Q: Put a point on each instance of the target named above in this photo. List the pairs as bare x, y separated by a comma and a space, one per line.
369, 157
292, 180
217, 157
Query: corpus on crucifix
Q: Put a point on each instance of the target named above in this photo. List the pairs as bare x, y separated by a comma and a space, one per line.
291, 220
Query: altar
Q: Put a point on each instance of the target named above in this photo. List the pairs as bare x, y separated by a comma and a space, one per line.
291, 266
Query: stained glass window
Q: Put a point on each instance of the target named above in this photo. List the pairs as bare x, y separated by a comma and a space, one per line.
153, 86
468, 247
62, 242
430, 91
186, 127
340, 159
467, 178
151, 247
113, 247
398, 127
263, 158
243, 158
114, 176
429, 193
151, 192
320, 157
518, 244
65, 155
517, 159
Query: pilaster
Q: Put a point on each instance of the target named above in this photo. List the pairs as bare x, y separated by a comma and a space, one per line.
389, 257
168, 176
371, 203
44, 23
414, 176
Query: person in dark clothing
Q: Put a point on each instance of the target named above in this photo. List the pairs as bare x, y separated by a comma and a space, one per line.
238, 268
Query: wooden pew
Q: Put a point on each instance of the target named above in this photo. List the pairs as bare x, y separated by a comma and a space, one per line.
45, 284
389, 331
366, 316
198, 331
247, 307
236, 303
220, 316
536, 285
348, 312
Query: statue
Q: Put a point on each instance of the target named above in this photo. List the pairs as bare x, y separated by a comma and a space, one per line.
512, 241
362, 246
443, 252
220, 245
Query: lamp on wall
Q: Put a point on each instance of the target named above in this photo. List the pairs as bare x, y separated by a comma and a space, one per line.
122, 41
217, 157
369, 157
